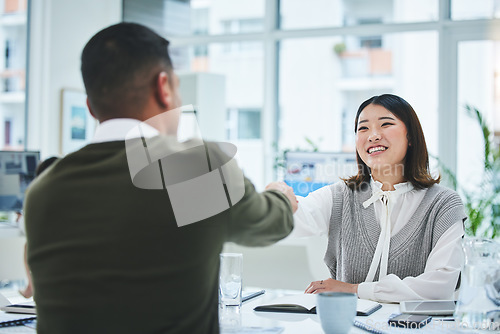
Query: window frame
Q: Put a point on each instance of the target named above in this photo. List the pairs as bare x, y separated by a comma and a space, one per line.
450, 33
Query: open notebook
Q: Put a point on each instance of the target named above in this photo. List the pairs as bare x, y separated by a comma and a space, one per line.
25, 308
306, 303
13, 319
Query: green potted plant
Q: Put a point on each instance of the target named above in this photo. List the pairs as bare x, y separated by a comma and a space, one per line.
482, 206
339, 48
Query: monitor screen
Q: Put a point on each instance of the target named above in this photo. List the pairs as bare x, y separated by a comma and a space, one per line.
17, 170
309, 171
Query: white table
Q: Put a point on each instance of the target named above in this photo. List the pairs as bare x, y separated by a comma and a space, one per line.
291, 323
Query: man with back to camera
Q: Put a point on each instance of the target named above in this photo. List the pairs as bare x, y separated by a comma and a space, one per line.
108, 257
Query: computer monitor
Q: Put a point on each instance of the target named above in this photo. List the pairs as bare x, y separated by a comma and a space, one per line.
309, 171
17, 170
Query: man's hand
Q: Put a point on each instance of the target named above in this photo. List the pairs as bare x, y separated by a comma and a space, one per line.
286, 190
331, 285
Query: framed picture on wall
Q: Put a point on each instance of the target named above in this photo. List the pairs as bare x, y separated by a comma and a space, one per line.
77, 124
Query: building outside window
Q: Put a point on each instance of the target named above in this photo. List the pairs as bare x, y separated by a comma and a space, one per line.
13, 41
301, 71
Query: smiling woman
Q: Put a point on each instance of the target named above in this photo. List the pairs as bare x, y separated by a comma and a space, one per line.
379, 244
382, 142
390, 144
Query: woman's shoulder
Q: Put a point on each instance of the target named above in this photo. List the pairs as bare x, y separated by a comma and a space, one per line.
446, 205
339, 187
445, 195
342, 189
439, 189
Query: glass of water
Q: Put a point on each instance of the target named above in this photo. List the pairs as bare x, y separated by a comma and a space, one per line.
231, 270
478, 305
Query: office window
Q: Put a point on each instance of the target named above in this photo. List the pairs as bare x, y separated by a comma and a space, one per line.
197, 17
243, 70
170, 17
242, 65
238, 26
13, 39
243, 124
249, 124
308, 81
226, 16
470, 10
477, 63
321, 87
295, 14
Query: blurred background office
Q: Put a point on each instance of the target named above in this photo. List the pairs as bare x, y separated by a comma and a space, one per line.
271, 76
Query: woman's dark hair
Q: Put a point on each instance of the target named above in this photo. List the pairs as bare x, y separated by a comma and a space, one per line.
416, 169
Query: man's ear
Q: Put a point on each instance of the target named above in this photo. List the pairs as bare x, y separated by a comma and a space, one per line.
90, 109
163, 90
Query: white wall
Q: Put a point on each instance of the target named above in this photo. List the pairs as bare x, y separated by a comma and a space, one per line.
59, 30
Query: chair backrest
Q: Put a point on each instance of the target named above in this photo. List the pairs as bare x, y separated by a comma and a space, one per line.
12, 258
289, 264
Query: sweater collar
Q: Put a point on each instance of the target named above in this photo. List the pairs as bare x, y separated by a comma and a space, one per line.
119, 128
378, 185
378, 193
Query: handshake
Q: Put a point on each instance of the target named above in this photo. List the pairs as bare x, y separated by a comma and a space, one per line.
286, 190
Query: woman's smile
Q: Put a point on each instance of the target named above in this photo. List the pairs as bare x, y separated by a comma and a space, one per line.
375, 150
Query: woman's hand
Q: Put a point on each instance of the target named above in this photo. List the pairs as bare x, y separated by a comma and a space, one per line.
286, 190
331, 285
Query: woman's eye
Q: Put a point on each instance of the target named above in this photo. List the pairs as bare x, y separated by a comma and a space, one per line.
387, 123
362, 128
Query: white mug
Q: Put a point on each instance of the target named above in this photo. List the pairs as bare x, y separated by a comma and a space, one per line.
336, 311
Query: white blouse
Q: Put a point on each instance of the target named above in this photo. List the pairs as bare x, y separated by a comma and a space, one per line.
443, 264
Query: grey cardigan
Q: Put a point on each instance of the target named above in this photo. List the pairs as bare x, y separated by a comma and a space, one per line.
354, 232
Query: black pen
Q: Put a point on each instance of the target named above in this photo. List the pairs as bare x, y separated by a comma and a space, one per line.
252, 295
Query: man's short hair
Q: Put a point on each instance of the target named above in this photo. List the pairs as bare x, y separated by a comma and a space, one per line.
119, 68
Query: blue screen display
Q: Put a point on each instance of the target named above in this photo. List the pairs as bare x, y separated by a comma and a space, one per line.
17, 170
309, 171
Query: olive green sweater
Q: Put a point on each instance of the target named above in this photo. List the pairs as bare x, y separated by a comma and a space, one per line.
107, 257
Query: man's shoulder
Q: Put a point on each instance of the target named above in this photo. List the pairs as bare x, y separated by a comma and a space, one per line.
221, 152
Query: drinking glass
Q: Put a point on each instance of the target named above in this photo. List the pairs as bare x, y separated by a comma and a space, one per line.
231, 270
230, 319
478, 305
